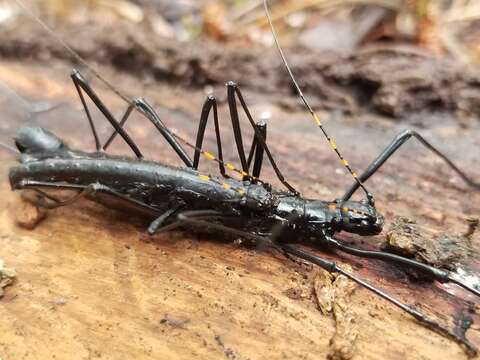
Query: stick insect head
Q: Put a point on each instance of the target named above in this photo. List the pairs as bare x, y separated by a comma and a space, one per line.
327, 218
358, 217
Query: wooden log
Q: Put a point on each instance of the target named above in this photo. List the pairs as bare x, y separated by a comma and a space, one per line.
92, 284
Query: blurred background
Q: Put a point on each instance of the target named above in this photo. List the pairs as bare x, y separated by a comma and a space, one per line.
393, 57
444, 27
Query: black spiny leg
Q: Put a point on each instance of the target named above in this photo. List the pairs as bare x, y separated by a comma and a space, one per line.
83, 191
422, 318
122, 123
434, 273
256, 149
399, 140
200, 217
81, 84
232, 93
77, 79
193, 217
151, 115
140, 104
210, 103
237, 131
162, 219
148, 111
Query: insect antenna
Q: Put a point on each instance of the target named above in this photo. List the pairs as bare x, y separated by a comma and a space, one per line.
315, 117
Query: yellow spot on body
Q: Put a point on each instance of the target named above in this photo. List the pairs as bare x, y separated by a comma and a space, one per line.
229, 166
204, 177
354, 174
226, 186
333, 144
243, 173
345, 209
209, 155
345, 162
332, 207
317, 119
241, 192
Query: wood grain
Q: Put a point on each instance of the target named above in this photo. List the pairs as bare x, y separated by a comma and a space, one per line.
92, 284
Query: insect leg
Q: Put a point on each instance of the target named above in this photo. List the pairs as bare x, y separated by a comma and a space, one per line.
33, 184
232, 93
75, 78
81, 84
198, 217
210, 103
121, 124
40, 199
58, 203
237, 132
150, 113
160, 221
192, 217
141, 104
437, 274
256, 149
422, 318
147, 110
398, 141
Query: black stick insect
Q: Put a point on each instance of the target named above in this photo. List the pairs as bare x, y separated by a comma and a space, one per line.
250, 208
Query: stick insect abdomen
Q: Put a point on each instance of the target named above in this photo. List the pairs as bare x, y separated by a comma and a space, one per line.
151, 183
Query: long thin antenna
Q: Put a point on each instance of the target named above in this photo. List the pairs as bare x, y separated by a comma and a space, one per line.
315, 117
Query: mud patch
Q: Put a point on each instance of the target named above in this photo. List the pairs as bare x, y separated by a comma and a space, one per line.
332, 293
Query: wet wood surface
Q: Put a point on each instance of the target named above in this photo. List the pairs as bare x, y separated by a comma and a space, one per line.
91, 284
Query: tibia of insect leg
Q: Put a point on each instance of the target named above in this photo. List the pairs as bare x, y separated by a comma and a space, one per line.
76, 73
89, 190
160, 221
436, 274
454, 278
422, 318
